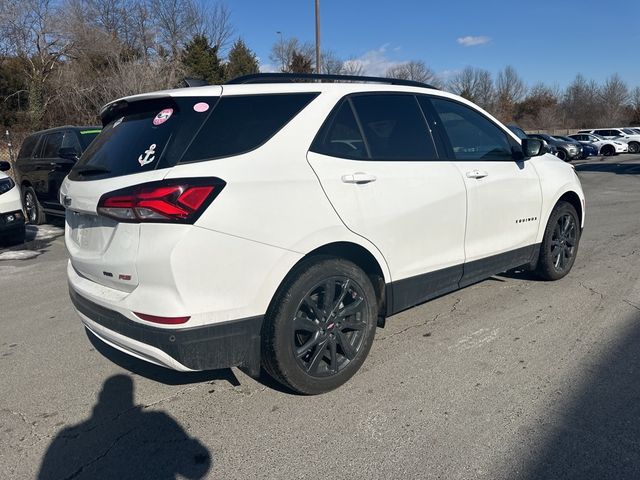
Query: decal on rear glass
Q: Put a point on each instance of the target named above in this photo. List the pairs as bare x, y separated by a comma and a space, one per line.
118, 122
201, 107
163, 116
149, 155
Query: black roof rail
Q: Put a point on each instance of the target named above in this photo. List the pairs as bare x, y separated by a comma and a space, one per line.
291, 77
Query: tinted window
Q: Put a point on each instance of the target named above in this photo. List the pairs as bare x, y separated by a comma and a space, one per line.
340, 136
88, 136
394, 127
471, 134
240, 124
26, 150
71, 141
52, 144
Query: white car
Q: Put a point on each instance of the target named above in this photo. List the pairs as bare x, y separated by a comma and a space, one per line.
626, 135
279, 223
12, 229
605, 147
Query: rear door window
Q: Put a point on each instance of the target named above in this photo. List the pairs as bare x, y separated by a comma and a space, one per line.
52, 144
394, 127
70, 140
340, 136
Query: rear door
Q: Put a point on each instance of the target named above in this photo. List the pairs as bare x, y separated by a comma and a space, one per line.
504, 198
377, 162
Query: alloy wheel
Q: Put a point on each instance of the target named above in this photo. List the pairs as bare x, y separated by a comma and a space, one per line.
30, 207
329, 326
563, 241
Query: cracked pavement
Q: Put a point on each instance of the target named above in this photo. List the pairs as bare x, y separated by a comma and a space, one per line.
511, 378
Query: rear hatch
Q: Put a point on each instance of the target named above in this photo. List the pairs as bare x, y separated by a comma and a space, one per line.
143, 137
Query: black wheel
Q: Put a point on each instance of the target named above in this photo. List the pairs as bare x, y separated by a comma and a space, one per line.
607, 150
562, 155
32, 206
560, 243
320, 327
634, 147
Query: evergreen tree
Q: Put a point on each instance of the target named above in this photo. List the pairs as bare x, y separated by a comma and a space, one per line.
201, 60
242, 61
301, 63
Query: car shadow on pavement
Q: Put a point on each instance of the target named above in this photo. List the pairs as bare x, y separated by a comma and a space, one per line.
156, 372
617, 168
122, 440
37, 240
597, 433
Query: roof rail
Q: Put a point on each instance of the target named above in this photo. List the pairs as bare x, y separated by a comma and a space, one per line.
291, 77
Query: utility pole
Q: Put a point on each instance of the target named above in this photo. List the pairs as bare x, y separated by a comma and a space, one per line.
281, 50
318, 65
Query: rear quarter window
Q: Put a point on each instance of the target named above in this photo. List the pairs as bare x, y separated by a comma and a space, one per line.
243, 123
28, 146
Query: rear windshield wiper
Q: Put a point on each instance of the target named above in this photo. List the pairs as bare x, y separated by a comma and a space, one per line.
90, 170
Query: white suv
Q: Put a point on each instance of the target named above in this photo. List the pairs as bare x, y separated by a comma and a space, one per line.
627, 135
277, 224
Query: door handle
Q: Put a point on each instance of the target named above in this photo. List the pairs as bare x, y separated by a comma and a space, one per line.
359, 178
477, 174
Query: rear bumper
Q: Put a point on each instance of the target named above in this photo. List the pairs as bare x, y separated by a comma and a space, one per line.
209, 347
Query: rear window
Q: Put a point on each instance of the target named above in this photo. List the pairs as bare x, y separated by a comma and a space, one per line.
88, 136
159, 133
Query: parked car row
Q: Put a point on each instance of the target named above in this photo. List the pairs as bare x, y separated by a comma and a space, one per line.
628, 135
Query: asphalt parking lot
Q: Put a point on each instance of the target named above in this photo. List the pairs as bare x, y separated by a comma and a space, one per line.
511, 378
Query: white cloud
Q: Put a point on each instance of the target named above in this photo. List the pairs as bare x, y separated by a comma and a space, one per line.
471, 41
375, 62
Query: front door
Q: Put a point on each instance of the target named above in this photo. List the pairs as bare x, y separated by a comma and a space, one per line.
504, 198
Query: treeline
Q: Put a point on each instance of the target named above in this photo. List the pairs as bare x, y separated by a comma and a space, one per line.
61, 60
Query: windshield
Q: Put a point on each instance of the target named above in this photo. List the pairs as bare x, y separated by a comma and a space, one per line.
629, 131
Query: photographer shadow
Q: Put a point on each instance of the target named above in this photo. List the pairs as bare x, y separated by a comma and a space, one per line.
121, 440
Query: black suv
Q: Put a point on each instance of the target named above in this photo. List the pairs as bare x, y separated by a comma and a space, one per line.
44, 160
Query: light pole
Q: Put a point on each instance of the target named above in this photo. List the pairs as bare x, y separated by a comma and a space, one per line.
281, 50
318, 69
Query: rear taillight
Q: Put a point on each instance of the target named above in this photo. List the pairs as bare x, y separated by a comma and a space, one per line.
173, 201
162, 320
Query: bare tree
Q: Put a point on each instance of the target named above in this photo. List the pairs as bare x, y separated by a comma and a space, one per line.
331, 63
175, 21
283, 50
582, 104
215, 23
510, 89
28, 30
352, 66
614, 95
415, 70
474, 84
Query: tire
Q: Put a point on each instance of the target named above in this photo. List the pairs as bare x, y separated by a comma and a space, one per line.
560, 243
634, 147
307, 345
562, 155
608, 150
32, 207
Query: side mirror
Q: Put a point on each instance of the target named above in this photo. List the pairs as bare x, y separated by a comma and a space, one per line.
68, 153
532, 147
4, 166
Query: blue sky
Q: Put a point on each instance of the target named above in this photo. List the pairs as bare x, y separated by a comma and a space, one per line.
548, 41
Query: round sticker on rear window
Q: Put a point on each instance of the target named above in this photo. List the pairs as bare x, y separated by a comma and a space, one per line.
163, 116
201, 107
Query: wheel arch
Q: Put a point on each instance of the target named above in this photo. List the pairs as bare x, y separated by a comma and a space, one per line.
573, 198
352, 252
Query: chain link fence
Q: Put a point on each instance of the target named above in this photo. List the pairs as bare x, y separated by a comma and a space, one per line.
9, 146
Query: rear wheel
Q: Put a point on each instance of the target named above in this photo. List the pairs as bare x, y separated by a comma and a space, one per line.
320, 327
634, 147
32, 207
560, 243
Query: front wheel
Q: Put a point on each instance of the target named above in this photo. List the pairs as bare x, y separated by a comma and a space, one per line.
634, 147
32, 206
560, 243
320, 327
608, 150
562, 155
